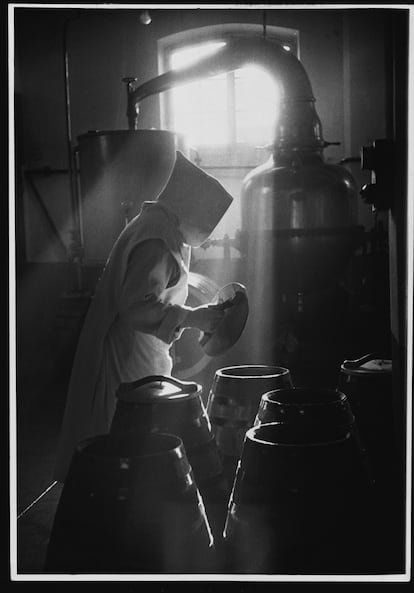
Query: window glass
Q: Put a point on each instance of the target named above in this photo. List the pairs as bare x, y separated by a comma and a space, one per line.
239, 107
256, 105
199, 111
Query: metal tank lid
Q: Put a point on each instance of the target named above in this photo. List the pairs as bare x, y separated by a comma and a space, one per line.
367, 365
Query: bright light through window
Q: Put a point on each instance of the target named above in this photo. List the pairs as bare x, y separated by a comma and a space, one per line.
256, 105
236, 107
185, 57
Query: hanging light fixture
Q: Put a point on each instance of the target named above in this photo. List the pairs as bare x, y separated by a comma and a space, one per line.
145, 17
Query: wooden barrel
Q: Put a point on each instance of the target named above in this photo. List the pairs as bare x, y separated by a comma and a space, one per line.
305, 406
300, 502
233, 402
162, 403
367, 383
166, 404
130, 505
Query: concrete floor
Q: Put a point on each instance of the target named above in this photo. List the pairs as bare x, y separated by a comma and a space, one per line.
37, 430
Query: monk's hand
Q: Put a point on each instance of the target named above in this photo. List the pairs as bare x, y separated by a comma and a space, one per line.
206, 317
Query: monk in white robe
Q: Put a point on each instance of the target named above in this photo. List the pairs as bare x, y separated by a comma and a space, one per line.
138, 309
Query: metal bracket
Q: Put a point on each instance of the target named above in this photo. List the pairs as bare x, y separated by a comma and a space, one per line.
379, 159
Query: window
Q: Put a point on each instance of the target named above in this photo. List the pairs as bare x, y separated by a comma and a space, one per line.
228, 119
228, 109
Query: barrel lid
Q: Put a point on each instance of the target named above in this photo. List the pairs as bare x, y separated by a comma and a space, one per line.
367, 365
157, 389
232, 298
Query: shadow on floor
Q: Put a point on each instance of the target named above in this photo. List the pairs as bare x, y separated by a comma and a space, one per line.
39, 416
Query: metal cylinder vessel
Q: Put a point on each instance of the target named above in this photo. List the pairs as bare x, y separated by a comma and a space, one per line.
118, 171
299, 232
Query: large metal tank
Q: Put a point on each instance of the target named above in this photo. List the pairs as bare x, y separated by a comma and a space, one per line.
299, 232
301, 211
118, 171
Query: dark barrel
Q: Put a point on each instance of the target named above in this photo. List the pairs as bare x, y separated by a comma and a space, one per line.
162, 403
300, 503
167, 404
367, 383
130, 505
233, 402
234, 399
305, 406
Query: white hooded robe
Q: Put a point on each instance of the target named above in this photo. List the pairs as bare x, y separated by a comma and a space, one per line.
132, 321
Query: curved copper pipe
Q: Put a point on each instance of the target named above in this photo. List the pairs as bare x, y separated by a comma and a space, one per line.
298, 124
